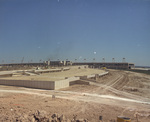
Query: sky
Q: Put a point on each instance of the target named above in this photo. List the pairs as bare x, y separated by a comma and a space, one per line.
36, 30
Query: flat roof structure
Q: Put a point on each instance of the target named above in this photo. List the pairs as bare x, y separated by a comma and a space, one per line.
52, 80
58, 74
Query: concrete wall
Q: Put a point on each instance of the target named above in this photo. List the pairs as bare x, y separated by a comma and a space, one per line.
94, 76
79, 82
29, 84
102, 74
6, 75
83, 77
65, 83
50, 85
91, 76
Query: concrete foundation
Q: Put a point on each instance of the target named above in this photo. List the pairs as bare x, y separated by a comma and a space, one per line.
50, 85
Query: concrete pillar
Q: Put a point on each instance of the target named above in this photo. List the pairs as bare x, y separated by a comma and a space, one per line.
96, 77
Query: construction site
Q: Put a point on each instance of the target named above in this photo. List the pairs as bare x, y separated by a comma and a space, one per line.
65, 91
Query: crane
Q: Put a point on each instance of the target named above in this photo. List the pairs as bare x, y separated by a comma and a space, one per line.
22, 60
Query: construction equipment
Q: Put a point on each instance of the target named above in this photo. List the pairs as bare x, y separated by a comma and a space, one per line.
103, 68
123, 119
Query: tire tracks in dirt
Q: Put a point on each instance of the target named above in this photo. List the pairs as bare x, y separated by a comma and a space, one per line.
86, 97
116, 86
121, 82
121, 93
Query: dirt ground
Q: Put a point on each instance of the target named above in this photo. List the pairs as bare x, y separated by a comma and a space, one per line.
120, 93
120, 83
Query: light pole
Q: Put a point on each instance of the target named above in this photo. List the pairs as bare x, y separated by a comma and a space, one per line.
123, 60
113, 60
93, 59
103, 60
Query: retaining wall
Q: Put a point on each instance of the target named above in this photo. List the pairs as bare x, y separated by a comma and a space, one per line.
78, 82
50, 85
92, 76
65, 83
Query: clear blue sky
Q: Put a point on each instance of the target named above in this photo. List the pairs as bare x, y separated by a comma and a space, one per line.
75, 29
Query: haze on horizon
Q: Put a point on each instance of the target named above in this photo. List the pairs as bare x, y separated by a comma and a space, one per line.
75, 29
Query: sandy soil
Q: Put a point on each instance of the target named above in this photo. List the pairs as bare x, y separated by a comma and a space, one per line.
119, 93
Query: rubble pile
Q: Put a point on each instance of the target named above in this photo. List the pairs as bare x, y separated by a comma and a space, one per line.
42, 116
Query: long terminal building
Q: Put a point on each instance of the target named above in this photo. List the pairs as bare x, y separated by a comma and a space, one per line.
109, 65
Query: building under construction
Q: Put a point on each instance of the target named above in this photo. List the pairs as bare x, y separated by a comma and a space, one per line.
107, 65
68, 63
